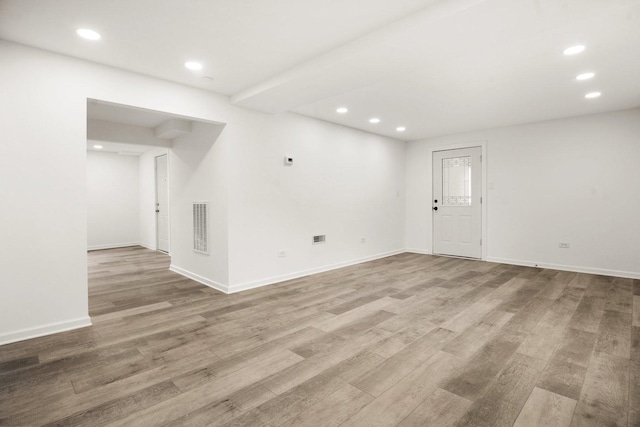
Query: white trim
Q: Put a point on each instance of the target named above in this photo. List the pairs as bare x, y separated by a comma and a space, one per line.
573, 268
200, 279
485, 199
121, 245
155, 200
113, 246
418, 251
277, 279
40, 331
145, 245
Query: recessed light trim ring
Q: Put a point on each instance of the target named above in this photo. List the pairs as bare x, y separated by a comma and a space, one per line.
88, 34
193, 65
585, 76
574, 50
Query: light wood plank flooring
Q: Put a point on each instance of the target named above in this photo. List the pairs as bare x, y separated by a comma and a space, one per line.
409, 340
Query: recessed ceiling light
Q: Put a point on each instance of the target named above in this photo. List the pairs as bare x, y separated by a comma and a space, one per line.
574, 50
585, 76
401, 128
98, 147
374, 120
342, 110
592, 95
193, 66
88, 34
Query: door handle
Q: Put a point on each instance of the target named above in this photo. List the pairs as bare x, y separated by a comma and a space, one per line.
435, 208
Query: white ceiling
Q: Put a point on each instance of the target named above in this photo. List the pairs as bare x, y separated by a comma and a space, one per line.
436, 67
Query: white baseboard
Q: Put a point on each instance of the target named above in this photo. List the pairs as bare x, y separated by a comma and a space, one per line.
572, 268
121, 245
418, 251
113, 246
277, 279
193, 276
148, 246
40, 331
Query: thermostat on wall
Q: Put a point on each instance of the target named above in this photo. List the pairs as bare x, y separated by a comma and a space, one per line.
288, 160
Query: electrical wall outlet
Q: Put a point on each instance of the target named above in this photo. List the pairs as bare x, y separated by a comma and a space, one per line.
282, 254
564, 245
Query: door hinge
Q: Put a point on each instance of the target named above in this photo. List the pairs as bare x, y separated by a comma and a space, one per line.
480, 242
480, 199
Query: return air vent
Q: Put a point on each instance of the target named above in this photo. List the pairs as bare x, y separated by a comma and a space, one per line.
201, 227
319, 239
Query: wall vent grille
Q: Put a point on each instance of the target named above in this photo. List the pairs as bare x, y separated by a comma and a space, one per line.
201, 227
319, 239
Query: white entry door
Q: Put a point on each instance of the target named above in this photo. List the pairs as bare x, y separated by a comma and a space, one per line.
162, 203
456, 204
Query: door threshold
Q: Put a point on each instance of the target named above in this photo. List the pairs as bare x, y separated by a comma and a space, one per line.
459, 257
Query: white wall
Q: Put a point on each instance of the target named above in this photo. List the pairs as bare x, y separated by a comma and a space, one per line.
147, 196
344, 183
43, 185
44, 166
198, 168
572, 180
112, 200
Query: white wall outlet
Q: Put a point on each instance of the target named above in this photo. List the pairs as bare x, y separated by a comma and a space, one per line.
564, 245
282, 254
363, 240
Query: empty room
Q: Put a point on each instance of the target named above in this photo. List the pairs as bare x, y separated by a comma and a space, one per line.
320, 213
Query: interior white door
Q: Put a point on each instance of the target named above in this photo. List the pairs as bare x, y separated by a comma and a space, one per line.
456, 204
162, 203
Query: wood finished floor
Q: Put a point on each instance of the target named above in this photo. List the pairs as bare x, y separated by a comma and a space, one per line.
410, 340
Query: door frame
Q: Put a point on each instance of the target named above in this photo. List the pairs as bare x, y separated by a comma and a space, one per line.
155, 186
484, 220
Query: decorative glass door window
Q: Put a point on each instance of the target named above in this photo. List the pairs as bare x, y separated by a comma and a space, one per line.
456, 181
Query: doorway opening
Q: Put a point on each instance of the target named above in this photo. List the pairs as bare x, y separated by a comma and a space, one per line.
124, 188
143, 168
